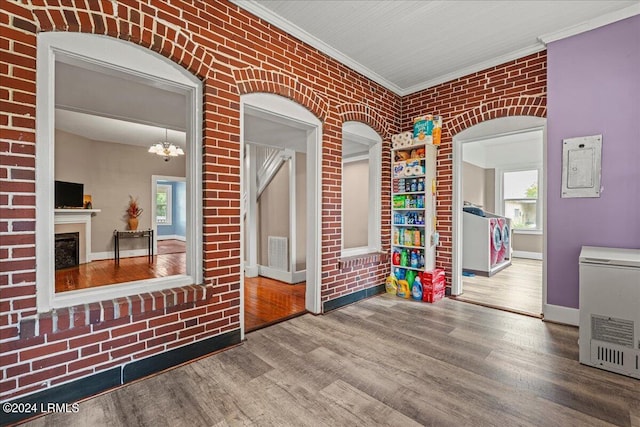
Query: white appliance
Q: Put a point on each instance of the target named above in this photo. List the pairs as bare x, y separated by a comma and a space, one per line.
610, 309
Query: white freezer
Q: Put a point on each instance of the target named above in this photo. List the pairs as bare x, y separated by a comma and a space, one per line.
610, 309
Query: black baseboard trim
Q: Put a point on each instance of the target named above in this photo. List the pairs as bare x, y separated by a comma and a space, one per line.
351, 298
82, 388
161, 361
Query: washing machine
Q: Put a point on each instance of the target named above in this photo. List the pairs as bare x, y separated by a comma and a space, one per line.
503, 253
506, 239
495, 236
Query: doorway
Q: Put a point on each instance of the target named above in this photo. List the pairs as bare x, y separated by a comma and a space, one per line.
498, 213
280, 215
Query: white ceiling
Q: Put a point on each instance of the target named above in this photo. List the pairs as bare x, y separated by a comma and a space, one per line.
404, 45
408, 46
99, 128
511, 150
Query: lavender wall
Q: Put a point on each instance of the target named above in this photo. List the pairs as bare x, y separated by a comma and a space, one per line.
593, 88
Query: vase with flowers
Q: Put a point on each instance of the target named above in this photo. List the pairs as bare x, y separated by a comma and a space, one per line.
133, 212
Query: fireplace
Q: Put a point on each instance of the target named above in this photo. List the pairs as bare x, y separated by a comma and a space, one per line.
67, 250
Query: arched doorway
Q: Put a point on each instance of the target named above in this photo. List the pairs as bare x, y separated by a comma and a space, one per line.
288, 128
500, 127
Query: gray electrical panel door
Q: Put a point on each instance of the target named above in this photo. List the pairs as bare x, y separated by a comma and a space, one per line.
581, 166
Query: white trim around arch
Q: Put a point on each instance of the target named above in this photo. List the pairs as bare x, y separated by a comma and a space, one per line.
107, 54
500, 126
287, 111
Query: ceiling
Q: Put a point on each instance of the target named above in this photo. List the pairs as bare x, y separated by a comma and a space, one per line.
408, 46
403, 45
510, 150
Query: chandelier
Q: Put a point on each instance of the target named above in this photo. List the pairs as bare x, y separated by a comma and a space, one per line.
166, 149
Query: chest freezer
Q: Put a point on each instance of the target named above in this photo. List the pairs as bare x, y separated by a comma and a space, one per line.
610, 309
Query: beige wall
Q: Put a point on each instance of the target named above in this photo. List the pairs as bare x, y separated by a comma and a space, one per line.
473, 184
301, 211
490, 190
355, 204
527, 242
273, 212
110, 173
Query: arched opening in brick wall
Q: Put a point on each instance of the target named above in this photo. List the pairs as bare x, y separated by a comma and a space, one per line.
525, 115
277, 133
100, 120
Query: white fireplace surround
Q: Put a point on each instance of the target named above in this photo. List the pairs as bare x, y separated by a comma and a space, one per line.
81, 217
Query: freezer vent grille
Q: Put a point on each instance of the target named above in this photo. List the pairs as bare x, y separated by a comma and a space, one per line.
278, 256
610, 355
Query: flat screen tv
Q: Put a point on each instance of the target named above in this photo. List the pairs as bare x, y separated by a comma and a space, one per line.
69, 195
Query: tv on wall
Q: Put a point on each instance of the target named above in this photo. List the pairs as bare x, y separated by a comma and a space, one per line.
69, 195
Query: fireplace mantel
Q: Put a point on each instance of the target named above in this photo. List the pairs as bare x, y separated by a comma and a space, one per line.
78, 216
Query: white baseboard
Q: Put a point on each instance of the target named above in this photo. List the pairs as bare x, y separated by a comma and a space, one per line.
282, 276
129, 253
171, 237
251, 270
560, 314
528, 255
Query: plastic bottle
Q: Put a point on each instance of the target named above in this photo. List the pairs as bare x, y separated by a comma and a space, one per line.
404, 258
414, 259
416, 289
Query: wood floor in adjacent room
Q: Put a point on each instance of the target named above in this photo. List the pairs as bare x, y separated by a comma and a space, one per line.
517, 288
268, 301
382, 361
170, 261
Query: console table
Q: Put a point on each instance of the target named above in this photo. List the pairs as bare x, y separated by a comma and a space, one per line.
128, 234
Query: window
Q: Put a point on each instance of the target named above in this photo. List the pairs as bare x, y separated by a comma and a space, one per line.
163, 204
521, 199
361, 173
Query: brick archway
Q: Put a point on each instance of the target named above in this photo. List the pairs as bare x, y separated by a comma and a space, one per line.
534, 105
253, 80
142, 27
526, 105
364, 114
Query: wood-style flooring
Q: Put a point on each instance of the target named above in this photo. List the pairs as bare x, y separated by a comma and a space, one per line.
268, 301
382, 361
517, 288
107, 272
171, 246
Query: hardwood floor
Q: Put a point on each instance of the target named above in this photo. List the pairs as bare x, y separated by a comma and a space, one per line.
517, 288
382, 361
107, 272
171, 246
267, 301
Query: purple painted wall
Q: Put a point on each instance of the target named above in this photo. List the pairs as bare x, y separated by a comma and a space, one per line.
593, 88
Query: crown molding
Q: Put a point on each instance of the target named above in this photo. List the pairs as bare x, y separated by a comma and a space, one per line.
591, 24
253, 6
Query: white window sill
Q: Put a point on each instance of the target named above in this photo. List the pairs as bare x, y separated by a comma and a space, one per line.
531, 232
346, 253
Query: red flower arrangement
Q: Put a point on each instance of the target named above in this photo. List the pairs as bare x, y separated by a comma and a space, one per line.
134, 210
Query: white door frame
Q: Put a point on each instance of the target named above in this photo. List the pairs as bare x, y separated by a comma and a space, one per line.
289, 111
154, 191
508, 125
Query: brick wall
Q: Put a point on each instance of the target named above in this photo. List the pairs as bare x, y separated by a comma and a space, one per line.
515, 88
232, 53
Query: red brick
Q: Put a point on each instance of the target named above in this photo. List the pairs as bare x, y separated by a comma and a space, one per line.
42, 351
54, 360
